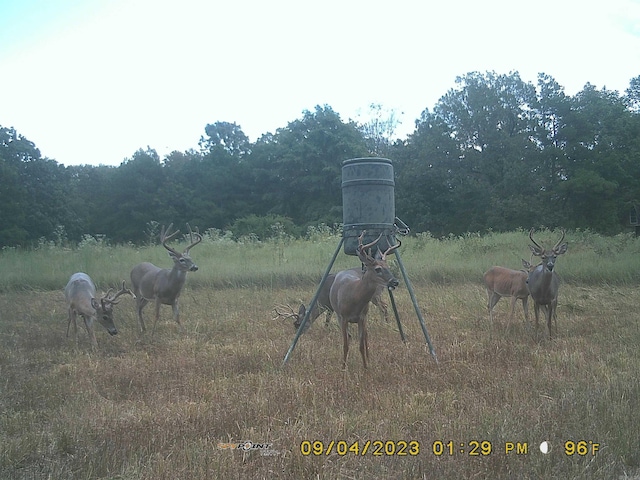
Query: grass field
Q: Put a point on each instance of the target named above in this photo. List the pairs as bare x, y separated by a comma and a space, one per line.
172, 405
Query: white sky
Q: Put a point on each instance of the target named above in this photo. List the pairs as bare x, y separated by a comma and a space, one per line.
92, 81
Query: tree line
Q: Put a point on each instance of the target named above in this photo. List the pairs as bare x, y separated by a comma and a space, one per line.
496, 153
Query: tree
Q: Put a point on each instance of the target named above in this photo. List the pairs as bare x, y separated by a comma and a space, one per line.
33, 191
632, 93
140, 193
226, 137
378, 129
298, 169
481, 153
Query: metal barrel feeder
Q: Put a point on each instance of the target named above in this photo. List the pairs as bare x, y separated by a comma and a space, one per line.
368, 204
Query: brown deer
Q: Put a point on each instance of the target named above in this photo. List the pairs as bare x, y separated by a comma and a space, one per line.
323, 303
164, 285
543, 281
80, 294
351, 293
505, 282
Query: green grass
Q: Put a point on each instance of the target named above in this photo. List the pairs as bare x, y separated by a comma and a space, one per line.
160, 407
591, 259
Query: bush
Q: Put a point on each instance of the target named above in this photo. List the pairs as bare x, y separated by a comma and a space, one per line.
264, 227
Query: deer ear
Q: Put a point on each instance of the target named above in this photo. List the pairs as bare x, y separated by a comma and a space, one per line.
95, 304
561, 249
535, 250
526, 264
362, 255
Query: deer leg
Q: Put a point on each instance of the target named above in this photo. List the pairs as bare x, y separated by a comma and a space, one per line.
364, 347
327, 318
493, 299
176, 311
141, 302
550, 313
536, 310
513, 308
72, 319
345, 341
158, 303
88, 323
525, 307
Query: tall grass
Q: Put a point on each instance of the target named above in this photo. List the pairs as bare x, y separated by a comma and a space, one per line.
591, 259
165, 406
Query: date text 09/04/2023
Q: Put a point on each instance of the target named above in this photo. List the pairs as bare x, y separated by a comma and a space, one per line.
471, 448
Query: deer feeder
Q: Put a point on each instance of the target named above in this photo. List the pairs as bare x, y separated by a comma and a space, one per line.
368, 204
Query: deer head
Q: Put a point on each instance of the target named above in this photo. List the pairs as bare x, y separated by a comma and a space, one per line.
547, 257
182, 260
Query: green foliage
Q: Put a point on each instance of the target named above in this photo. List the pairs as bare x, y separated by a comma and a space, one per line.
264, 227
496, 154
281, 260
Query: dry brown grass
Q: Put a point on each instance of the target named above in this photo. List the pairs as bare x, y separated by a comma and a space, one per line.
159, 407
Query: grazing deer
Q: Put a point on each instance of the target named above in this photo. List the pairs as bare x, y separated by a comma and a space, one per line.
80, 293
543, 281
351, 293
505, 282
323, 303
163, 285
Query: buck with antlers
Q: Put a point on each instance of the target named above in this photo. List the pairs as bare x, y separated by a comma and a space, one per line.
505, 282
351, 293
323, 303
80, 294
164, 285
543, 281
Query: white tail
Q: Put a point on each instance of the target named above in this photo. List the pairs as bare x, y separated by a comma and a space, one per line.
163, 285
80, 293
505, 282
323, 304
351, 293
543, 281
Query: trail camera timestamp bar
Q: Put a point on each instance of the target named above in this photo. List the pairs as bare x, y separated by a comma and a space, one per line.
484, 448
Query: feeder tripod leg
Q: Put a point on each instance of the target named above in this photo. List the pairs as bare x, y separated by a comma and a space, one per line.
314, 300
415, 305
395, 312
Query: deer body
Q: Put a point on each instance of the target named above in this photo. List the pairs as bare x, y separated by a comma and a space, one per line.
163, 285
351, 293
543, 282
505, 282
323, 303
80, 294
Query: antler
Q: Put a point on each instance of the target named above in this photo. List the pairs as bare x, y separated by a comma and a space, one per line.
123, 290
559, 241
165, 237
531, 238
363, 248
284, 315
391, 249
191, 234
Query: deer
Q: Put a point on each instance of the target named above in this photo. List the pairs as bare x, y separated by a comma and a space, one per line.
351, 293
323, 303
80, 294
543, 282
164, 285
505, 282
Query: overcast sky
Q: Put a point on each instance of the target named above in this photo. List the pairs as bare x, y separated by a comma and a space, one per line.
92, 81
